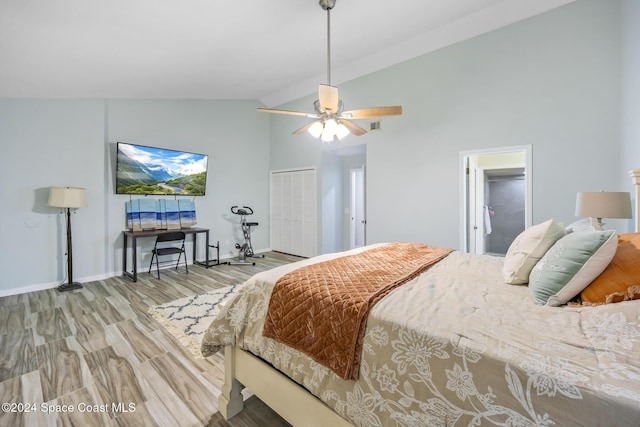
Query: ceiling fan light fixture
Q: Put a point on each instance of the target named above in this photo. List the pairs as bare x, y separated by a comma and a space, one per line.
316, 129
330, 125
342, 131
327, 137
331, 121
330, 129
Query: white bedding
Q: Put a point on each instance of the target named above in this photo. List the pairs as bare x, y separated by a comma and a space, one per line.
457, 346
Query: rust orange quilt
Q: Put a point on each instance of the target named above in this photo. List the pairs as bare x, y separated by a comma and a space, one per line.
321, 309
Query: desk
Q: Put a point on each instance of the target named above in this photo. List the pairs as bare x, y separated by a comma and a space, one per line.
135, 235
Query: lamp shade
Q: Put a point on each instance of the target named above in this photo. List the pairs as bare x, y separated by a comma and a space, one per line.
67, 197
603, 204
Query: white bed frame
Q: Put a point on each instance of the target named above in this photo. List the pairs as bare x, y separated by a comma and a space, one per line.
292, 401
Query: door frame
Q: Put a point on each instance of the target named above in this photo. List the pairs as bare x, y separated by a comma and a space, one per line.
466, 182
353, 205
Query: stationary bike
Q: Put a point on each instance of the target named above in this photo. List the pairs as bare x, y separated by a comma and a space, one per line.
245, 250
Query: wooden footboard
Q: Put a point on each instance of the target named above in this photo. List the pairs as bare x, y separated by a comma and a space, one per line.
290, 400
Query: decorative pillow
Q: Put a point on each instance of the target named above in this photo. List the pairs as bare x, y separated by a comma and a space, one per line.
570, 265
580, 225
620, 281
527, 249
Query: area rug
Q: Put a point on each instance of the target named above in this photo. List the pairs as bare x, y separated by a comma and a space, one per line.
188, 318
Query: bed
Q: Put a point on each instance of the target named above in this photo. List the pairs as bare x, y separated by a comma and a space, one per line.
452, 346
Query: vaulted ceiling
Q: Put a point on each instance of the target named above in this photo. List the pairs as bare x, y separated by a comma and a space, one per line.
270, 50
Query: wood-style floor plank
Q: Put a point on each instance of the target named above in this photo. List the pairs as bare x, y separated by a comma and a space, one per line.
13, 318
114, 377
106, 311
60, 370
99, 346
11, 392
87, 412
52, 325
190, 389
17, 354
89, 331
145, 348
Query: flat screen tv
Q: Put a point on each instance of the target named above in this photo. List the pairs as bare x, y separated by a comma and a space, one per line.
159, 171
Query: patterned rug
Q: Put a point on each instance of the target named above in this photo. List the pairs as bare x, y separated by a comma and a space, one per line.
188, 318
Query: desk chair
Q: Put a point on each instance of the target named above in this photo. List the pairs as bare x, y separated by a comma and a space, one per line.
164, 247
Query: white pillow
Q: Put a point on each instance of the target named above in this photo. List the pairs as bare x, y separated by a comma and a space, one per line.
527, 249
580, 225
571, 265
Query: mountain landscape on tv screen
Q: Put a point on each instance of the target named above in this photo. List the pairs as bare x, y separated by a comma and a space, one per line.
161, 172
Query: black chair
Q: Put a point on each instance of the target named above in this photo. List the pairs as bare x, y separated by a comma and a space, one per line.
164, 247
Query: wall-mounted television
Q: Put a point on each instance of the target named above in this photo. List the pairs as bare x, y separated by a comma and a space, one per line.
147, 170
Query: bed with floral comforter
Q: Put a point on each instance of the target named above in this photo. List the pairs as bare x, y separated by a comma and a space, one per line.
456, 346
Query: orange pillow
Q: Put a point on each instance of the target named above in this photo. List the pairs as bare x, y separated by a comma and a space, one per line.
620, 281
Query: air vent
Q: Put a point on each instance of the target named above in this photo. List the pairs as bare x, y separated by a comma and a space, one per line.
374, 126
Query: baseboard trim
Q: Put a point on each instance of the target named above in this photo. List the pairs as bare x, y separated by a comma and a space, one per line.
45, 286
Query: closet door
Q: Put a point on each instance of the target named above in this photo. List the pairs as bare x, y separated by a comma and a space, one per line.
275, 211
293, 211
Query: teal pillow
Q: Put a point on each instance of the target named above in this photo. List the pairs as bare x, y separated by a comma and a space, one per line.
570, 265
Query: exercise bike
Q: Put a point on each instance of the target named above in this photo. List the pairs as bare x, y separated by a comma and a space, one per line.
245, 250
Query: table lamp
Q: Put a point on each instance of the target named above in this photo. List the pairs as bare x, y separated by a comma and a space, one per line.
603, 204
68, 198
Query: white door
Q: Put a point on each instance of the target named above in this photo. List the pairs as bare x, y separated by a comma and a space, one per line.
293, 211
357, 209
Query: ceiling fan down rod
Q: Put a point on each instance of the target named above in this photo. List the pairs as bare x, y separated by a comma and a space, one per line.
329, 46
328, 5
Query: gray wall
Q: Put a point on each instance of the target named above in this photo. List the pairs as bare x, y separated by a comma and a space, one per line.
552, 81
564, 82
73, 142
630, 88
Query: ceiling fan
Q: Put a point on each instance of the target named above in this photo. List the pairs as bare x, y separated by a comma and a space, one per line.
331, 119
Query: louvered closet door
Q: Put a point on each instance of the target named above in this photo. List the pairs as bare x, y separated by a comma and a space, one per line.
293, 211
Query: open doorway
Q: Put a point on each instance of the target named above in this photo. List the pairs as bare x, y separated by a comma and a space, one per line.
496, 198
343, 198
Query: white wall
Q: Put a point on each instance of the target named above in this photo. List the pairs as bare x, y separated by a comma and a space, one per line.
72, 142
50, 143
630, 88
331, 202
551, 81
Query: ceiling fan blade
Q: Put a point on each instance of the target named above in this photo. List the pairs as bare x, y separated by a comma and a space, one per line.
328, 97
304, 128
292, 113
353, 128
366, 113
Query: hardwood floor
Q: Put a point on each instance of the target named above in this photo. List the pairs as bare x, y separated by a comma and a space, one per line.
95, 357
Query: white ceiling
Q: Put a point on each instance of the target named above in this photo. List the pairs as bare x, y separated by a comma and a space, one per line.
271, 50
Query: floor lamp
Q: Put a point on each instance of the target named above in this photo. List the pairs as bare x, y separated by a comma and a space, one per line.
68, 198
